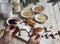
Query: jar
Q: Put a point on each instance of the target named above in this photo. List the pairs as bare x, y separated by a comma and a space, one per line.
17, 9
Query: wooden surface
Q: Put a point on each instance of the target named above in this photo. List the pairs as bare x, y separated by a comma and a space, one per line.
53, 13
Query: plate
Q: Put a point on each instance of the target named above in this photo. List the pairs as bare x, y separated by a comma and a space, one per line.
41, 18
38, 8
26, 13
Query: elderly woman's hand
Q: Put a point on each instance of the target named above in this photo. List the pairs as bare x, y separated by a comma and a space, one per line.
8, 35
34, 39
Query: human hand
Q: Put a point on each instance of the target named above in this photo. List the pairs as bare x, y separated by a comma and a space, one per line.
9, 30
8, 33
34, 39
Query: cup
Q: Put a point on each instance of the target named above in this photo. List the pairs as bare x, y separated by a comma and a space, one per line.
12, 21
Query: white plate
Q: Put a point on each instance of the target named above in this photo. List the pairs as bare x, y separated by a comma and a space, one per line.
41, 18
26, 10
41, 7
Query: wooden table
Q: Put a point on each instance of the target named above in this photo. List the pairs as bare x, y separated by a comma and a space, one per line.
53, 13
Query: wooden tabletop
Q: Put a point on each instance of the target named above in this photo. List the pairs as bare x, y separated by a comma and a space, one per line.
53, 13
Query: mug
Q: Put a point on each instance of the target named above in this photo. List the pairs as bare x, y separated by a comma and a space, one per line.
12, 21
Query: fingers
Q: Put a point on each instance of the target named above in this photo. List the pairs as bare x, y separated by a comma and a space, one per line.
37, 36
16, 30
37, 39
10, 28
7, 28
33, 37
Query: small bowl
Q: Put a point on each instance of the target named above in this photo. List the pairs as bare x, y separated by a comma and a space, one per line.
26, 13
38, 8
15, 20
40, 18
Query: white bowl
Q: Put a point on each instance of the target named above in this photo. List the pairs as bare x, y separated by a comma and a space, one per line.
41, 18
10, 19
41, 8
26, 15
